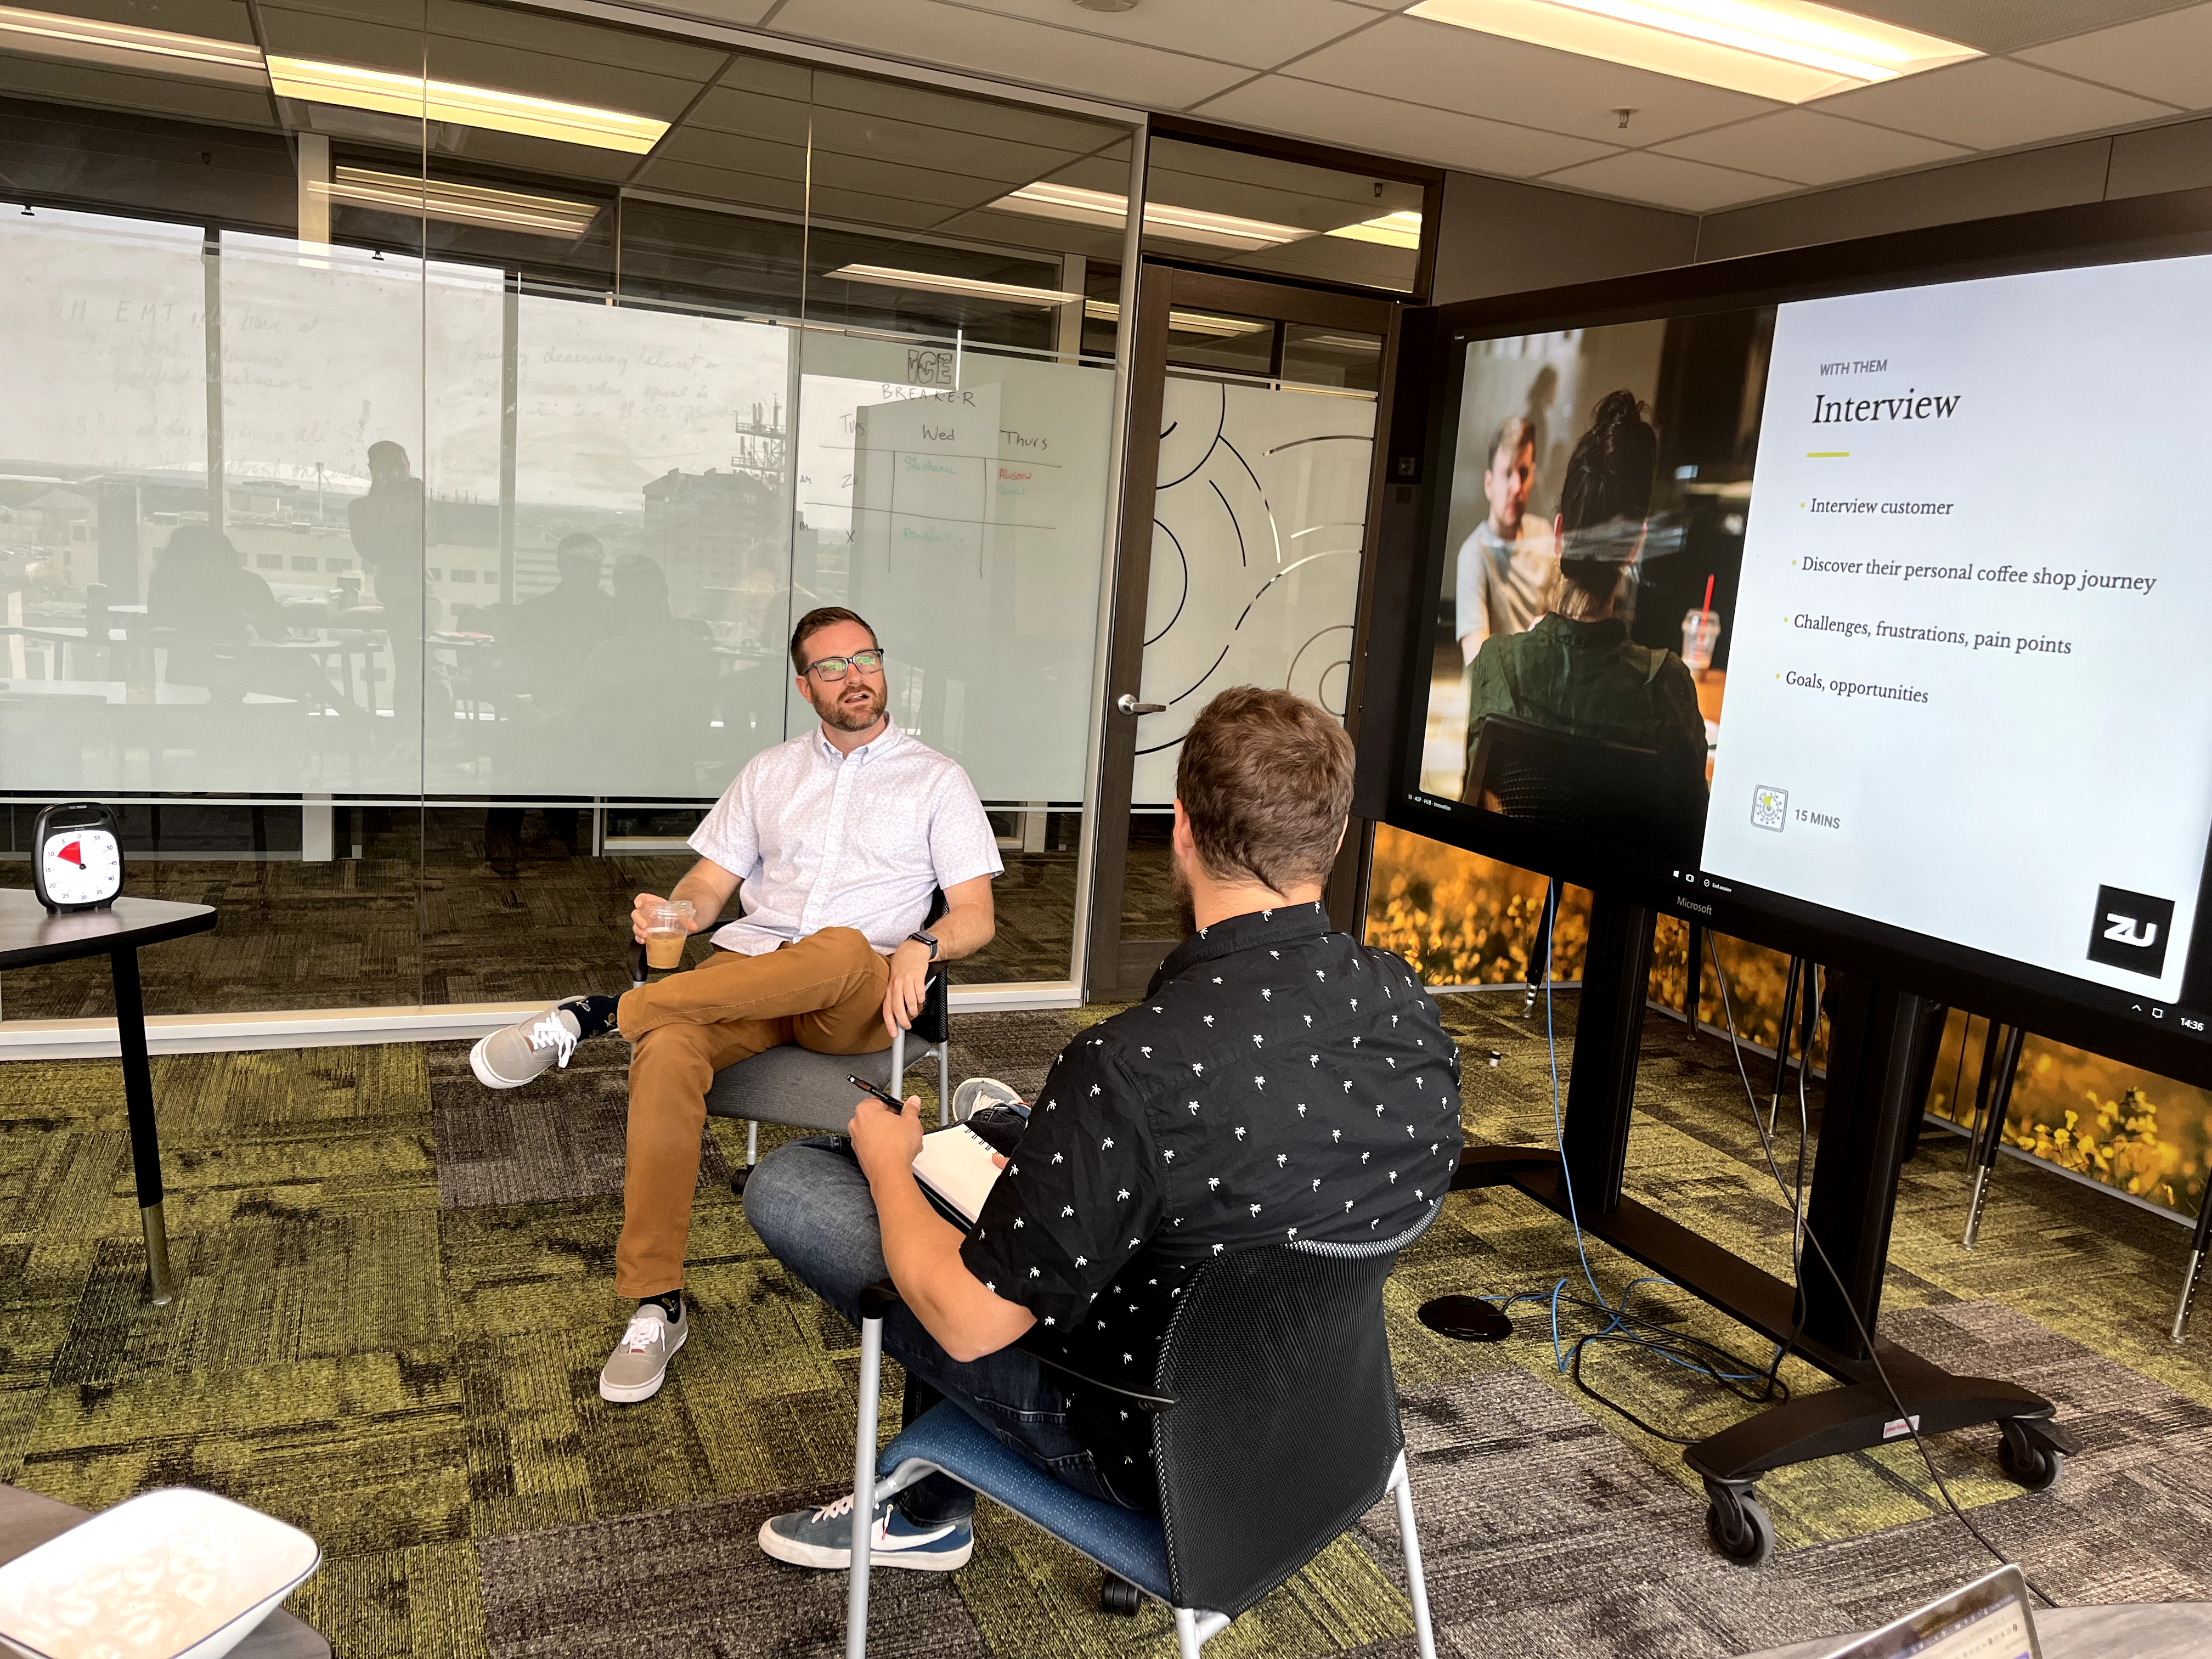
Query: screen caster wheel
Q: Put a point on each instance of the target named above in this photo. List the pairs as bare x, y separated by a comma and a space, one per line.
2029, 1461
1738, 1524
1118, 1594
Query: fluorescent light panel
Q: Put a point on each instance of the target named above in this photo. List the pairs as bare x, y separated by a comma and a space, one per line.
1181, 322
415, 96
973, 287
1791, 51
124, 45
462, 204
1107, 211
1401, 229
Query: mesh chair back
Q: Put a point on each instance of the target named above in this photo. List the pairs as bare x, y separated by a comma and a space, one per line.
1286, 1422
1607, 791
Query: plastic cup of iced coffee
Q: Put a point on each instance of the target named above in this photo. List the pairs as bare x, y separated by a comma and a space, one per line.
667, 925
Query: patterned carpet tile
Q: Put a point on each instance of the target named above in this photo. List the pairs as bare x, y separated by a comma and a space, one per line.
692, 1580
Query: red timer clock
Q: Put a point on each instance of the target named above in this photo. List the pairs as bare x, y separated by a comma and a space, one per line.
77, 857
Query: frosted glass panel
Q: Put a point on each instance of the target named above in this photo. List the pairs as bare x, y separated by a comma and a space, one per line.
957, 502
1257, 526
642, 654
103, 349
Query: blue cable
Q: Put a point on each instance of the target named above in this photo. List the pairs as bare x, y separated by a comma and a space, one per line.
1617, 1324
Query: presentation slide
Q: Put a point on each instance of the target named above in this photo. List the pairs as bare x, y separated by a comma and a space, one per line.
1970, 681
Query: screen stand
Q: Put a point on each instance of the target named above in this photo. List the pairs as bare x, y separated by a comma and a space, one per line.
1878, 1043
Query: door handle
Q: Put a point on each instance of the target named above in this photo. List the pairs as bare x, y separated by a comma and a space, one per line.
1127, 703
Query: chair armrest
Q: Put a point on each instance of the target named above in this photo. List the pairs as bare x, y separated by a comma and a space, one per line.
636, 962
933, 1023
878, 1299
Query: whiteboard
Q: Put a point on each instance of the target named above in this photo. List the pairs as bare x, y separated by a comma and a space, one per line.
958, 501
103, 343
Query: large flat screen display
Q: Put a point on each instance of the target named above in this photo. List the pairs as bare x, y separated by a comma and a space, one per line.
1883, 618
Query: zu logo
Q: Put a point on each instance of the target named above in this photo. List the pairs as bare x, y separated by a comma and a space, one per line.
2129, 930
2123, 928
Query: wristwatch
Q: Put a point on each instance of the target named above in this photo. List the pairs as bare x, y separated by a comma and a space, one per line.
930, 939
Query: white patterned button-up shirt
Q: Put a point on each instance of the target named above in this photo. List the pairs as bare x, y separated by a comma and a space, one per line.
1279, 1083
822, 839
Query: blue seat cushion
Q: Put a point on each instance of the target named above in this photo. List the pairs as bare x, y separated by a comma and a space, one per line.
795, 1085
1119, 1539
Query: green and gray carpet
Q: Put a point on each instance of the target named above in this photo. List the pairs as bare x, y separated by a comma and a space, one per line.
396, 1294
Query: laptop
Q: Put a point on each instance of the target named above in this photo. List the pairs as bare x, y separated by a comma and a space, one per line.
1988, 1620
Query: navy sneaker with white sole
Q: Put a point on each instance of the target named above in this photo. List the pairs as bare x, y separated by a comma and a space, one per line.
823, 1538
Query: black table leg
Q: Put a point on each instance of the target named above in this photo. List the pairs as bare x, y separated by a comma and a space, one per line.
145, 1137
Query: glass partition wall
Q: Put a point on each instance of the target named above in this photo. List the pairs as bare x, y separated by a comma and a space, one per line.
425, 423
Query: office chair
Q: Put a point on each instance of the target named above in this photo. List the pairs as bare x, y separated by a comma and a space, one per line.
794, 1085
1275, 1428
1589, 786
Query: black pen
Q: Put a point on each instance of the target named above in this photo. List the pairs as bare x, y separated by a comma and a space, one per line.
884, 1095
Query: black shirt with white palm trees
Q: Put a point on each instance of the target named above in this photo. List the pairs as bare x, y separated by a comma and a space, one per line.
1277, 1083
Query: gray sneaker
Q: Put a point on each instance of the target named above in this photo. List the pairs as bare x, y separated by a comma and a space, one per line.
634, 1371
517, 1054
981, 1091
823, 1538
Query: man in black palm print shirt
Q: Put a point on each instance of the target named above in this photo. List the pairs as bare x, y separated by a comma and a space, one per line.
1278, 1083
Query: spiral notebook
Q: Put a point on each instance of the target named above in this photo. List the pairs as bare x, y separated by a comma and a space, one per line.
955, 1165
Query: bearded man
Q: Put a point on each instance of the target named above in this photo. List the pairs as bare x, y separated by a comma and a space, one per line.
841, 838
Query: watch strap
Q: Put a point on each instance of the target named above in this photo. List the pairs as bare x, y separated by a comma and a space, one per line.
930, 939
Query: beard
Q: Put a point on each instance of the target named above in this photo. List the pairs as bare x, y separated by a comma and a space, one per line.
857, 716
1186, 908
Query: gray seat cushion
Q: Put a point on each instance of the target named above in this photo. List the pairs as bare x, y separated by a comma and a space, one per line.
795, 1085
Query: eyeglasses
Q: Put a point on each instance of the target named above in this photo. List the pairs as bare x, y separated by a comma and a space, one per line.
832, 669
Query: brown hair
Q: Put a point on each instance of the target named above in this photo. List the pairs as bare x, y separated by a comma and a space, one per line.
822, 616
1266, 782
1607, 495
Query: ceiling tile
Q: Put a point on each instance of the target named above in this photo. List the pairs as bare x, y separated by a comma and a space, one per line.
1362, 120
1993, 104
1810, 149
1485, 75
2009, 25
991, 44
53, 79
743, 12
1665, 181
2167, 58
721, 185
218, 20
1258, 33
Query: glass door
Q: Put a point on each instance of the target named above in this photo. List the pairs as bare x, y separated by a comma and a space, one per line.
1254, 408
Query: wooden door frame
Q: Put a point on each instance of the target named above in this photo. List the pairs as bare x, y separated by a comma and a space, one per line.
1108, 969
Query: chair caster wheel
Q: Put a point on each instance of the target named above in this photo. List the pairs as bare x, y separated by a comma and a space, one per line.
738, 1180
2029, 1461
1738, 1524
1117, 1595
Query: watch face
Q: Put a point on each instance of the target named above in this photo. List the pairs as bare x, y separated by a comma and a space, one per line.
82, 867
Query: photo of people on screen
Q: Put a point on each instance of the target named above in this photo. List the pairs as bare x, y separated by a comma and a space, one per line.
1569, 721
1586, 579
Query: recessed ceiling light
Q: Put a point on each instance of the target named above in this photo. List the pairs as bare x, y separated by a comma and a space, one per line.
463, 204
126, 45
1791, 51
456, 102
974, 287
1108, 5
1108, 211
1400, 229
1181, 322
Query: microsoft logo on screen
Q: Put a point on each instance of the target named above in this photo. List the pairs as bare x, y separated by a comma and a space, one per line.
1770, 807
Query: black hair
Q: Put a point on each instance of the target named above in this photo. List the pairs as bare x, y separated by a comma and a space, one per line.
1606, 495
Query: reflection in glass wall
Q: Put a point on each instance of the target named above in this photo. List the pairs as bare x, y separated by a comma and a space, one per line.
425, 428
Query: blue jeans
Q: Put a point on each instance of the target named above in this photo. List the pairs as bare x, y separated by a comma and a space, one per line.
812, 1207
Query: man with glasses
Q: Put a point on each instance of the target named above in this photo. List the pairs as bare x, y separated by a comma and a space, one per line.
841, 837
